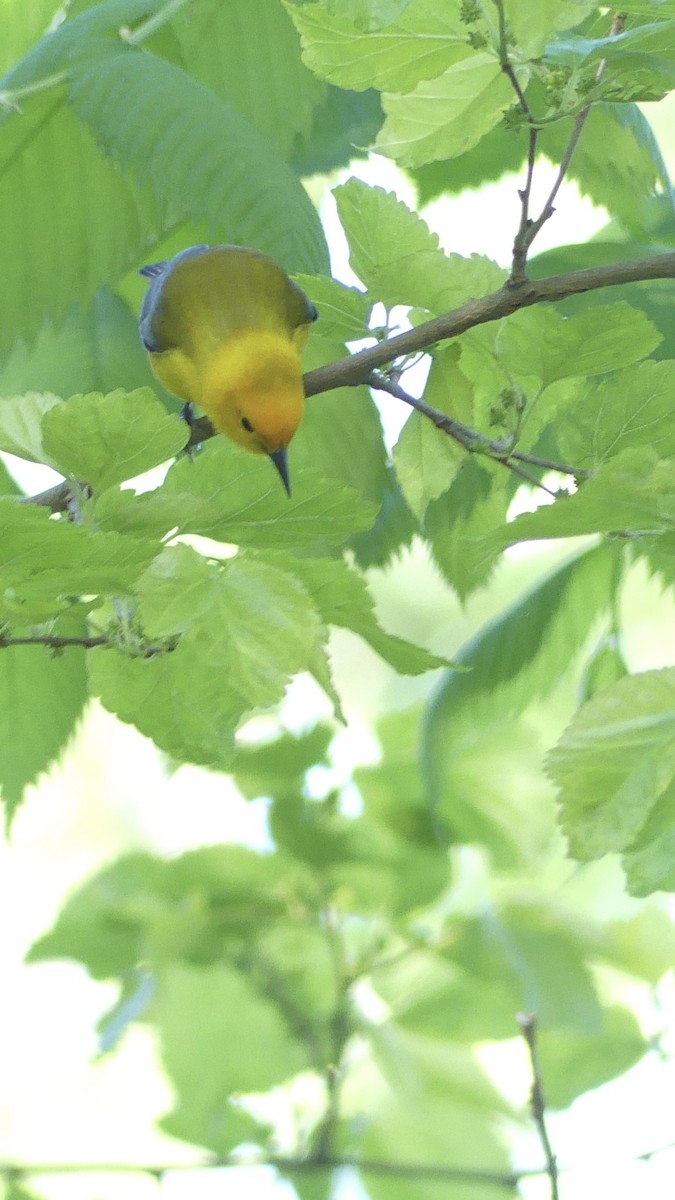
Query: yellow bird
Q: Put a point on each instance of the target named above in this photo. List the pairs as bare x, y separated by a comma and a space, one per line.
224, 327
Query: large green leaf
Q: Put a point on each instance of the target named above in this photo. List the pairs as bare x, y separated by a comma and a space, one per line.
342, 598
250, 57
476, 762
397, 257
198, 154
94, 350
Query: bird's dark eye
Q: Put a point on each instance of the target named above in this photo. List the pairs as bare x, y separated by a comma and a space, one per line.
247, 424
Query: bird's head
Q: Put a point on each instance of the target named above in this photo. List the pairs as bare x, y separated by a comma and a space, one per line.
254, 393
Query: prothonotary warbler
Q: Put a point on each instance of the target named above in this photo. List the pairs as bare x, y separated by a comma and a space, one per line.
224, 327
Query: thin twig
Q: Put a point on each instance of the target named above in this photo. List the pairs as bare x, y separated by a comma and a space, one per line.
54, 642
528, 1027
470, 439
519, 245
374, 1166
530, 228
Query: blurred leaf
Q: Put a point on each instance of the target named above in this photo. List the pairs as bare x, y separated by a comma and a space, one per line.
220, 1036
199, 155
101, 923
251, 59
453, 1123
96, 350
345, 125
531, 27
617, 162
272, 768
573, 1063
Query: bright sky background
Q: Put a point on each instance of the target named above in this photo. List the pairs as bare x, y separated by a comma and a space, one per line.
112, 793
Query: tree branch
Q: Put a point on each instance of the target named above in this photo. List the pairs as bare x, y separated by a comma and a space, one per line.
55, 642
510, 298
356, 369
528, 1026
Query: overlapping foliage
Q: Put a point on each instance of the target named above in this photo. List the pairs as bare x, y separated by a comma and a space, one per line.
368, 952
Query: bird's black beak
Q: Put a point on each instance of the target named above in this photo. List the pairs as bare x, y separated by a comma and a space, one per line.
280, 460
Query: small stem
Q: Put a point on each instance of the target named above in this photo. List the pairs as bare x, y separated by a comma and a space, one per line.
529, 229
10, 98
528, 1027
54, 642
471, 440
134, 37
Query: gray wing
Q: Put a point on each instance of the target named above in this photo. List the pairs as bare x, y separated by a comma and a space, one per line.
158, 273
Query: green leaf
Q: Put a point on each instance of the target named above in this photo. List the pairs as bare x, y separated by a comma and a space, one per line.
343, 599
633, 491
455, 1124
101, 925
573, 1063
240, 499
59, 196
45, 562
94, 350
499, 151
531, 26
458, 524
470, 750
420, 43
21, 425
273, 768
248, 628
107, 439
42, 695
397, 257
617, 162
628, 409
220, 1037
593, 342
446, 116
615, 761
343, 311
344, 127
251, 59
427, 460
200, 156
